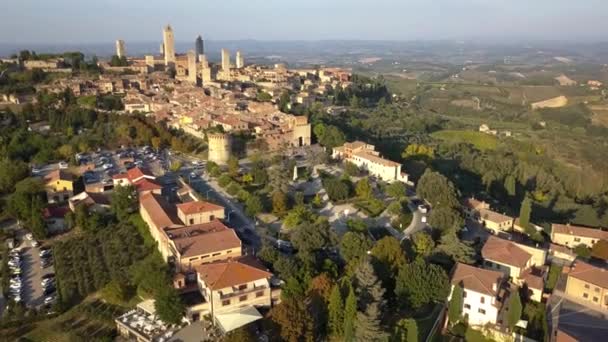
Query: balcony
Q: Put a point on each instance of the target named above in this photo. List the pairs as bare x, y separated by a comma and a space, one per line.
238, 293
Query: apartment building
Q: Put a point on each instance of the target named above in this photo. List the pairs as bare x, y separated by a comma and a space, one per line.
588, 284
524, 265
572, 236
235, 289
368, 159
483, 293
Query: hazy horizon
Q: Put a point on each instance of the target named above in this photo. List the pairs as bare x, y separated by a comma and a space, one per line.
104, 21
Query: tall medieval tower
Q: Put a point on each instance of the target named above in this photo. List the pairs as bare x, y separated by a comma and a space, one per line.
169, 46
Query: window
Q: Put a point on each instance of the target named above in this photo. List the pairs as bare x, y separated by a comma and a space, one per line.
595, 299
467, 307
191, 221
242, 298
215, 254
464, 294
597, 289
585, 295
577, 239
586, 286
192, 259
229, 251
226, 302
212, 217
481, 311
242, 287
259, 294
205, 256
482, 300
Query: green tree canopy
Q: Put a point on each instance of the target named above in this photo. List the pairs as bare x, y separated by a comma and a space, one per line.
354, 245
419, 283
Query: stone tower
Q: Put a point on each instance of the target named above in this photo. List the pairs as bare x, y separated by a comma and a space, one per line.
225, 60
120, 48
199, 47
169, 46
219, 147
192, 67
240, 61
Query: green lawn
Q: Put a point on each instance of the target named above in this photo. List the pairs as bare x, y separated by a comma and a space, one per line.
554, 273
481, 141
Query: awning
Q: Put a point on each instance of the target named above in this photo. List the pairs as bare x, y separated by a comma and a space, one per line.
229, 321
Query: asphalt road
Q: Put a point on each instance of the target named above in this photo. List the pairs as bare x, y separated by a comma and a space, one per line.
580, 322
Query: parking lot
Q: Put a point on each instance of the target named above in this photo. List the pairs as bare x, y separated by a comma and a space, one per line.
31, 272
582, 323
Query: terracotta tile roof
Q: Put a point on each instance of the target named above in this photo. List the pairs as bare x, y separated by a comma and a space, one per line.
146, 184
55, 212
474, 204
589, 273
561, 336
203, 239
375, 159
553, 248
138, 172
160, 212
355, 144
195, 207
223, 274
566, 229
533, 281
56, 175
505, 252
477, 279
493, 216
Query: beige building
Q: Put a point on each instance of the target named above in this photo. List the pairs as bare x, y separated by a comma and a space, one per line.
472, 207
523, 264
225, 60
197, 212
588, 285
494, 221
368, 159
572, 236
234, 289
240, 60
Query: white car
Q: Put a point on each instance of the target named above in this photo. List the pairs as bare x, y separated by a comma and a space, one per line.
63, 165
422, 208
29, 236
50, 299
107, 166
423, 220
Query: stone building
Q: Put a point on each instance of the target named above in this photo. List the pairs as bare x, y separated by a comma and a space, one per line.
225, 60
120, 48
219, 147
169, 46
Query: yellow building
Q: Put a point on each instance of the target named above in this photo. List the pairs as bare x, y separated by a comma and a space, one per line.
588, 285
59, 186
368, 159
495, 221
572, 236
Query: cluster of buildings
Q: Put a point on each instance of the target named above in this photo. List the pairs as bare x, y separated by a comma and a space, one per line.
368, 159
211, 271
509, 266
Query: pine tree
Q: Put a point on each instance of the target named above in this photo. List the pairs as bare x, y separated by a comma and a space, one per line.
524, 215
371, 301
455, 306
336, 312
515, 309
406, 331
350, 315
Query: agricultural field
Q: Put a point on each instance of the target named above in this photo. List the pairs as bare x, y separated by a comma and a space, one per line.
481, 141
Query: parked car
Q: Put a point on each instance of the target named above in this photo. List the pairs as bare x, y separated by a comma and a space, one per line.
107, 166
35, 243
63, 165
29, 236
50, 299
49, 290
422, 208
45, 252
48, 276
36, 170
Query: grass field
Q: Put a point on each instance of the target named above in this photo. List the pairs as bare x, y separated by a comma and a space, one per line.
481, 141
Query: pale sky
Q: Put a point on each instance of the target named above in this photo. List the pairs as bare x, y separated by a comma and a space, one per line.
87, 21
